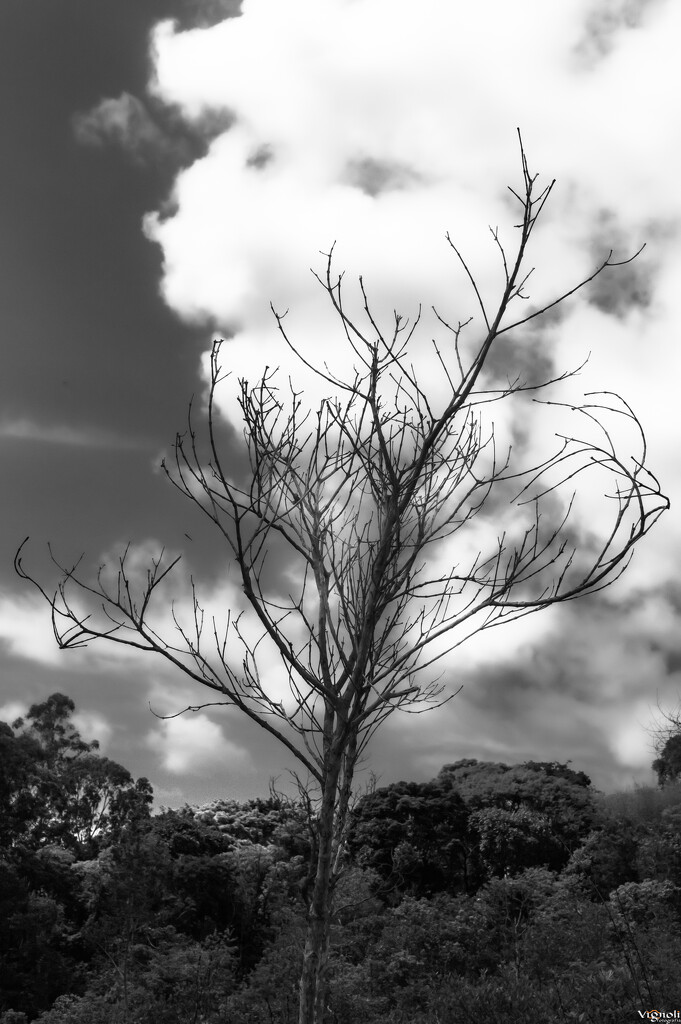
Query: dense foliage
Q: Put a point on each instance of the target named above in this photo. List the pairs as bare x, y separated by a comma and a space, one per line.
492, 892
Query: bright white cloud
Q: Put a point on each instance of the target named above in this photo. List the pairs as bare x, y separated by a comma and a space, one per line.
326, 87
25, 629
632, 742
11, 710
93, 726
381, 125
26, 623
192, 744
369, 124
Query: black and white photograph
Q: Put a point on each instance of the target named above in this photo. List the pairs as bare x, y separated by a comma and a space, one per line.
340, 614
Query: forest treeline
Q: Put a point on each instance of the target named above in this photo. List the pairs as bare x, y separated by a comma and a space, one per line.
493, 892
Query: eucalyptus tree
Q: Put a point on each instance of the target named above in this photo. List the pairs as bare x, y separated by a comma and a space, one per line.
375, 500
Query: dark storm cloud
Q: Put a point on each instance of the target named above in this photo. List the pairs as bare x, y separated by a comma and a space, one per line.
618, 294
605, 23
127, 122
262, 157
552, 666
620, 290
523, 358
611, 650
672, 662
374, 176
589, 657
483, 723
206, 13
86, 340
511, 688
584, 690
623, 289
148, 133
97, 373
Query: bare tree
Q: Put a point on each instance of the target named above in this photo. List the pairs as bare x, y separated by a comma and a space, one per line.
367, 495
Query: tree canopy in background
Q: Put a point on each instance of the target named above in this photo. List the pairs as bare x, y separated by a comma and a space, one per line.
55, 789
514, 890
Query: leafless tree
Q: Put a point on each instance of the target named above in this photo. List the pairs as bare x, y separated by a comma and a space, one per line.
366, 495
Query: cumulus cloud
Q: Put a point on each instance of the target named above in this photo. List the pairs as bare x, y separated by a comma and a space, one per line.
25, 629
26, 624
382, 126
93, 726
11, 710
192, 744
336, 137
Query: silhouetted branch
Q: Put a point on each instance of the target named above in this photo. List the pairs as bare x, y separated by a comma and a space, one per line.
369, 501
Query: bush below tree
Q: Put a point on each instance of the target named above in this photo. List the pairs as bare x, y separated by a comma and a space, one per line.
496, 892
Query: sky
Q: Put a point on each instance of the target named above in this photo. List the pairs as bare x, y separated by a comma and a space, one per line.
169, 168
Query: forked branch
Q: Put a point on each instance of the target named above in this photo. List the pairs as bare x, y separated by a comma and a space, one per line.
368, 501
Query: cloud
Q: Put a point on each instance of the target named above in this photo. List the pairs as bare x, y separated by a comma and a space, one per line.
26, 623
24, 429
584, 686
605, 22
148, 133
602, 662
93, 726
11, 710
126, 122
205, 13
192, 744
336, 137
25, 629
382, 126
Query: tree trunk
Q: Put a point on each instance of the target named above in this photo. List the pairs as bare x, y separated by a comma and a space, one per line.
313, 980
